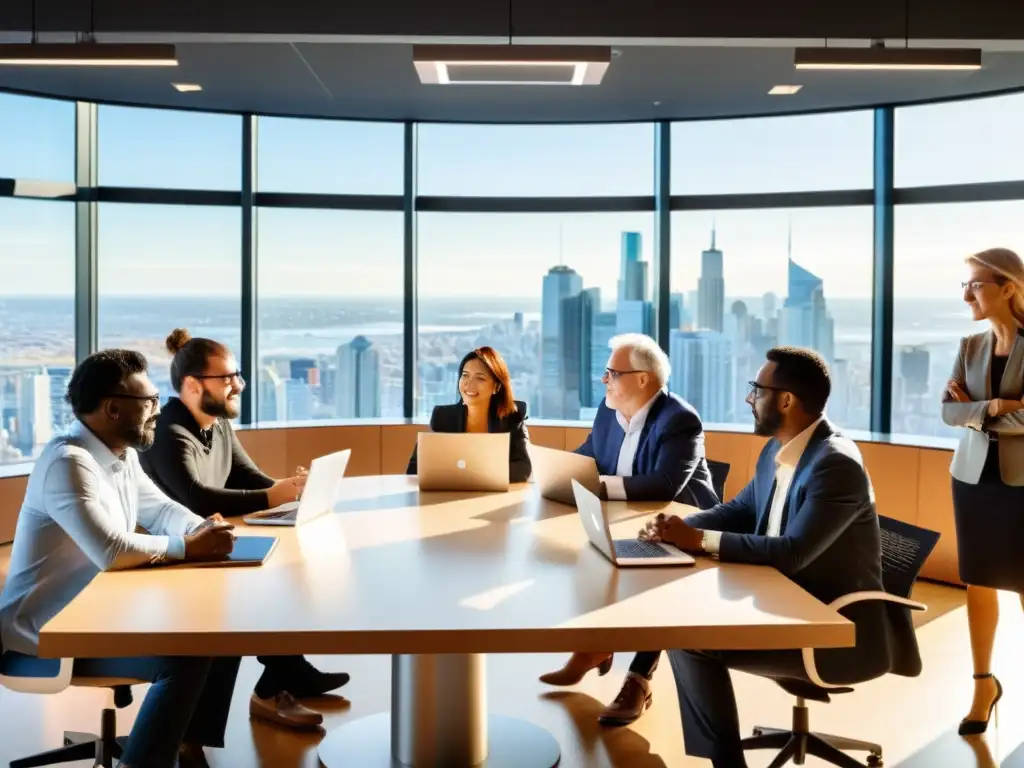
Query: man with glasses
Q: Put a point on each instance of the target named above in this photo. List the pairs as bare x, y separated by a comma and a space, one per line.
198, 460
85, 497
810, 513
649, 446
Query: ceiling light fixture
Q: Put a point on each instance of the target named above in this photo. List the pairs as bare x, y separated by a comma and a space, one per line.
510, 64
879, 57
86, 52
88, 55
784, 90
187, 87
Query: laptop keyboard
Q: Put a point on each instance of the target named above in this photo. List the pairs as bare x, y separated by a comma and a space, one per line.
637, 548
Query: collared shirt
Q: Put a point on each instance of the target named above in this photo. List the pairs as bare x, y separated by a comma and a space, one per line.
79, 517
785, 467
614, 485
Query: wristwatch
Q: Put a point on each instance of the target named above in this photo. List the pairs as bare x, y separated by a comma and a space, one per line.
703, 541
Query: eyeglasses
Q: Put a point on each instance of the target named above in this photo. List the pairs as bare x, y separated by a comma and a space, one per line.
611, 373
153, 400
225, 377
975, 285
758, 389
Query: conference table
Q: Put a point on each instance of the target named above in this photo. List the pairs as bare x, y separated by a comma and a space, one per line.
438, 580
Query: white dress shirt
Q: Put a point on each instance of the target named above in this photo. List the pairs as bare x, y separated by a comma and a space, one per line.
79, 517
614, 484
785, 466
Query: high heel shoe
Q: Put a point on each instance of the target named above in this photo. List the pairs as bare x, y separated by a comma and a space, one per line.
578, 666
973, 727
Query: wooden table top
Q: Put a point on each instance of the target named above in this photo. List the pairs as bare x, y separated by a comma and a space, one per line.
397, 571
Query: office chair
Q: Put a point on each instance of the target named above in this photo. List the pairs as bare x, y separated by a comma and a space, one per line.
719, 472
28, 674
905, 548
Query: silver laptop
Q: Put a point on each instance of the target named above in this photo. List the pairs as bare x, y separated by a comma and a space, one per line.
622, 552
462, 461
553, 470
318, 497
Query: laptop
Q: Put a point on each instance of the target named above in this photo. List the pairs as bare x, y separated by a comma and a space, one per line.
318, 497
622, 552
248, 551
553, 470
462, 461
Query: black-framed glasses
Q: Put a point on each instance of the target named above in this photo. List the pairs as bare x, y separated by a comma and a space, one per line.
615, 375
758, 389
153, 400
225, 377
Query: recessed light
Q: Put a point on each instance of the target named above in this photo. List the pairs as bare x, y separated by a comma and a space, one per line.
656, 103
187, 87
784, 90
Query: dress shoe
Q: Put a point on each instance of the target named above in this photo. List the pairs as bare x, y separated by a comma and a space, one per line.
306, 681
973, 727
577, 666
283, 709
192, 756
633, 699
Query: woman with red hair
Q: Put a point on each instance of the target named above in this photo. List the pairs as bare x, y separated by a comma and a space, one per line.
486, 404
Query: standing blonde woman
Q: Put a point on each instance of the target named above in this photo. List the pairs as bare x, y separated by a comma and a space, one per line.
984, 397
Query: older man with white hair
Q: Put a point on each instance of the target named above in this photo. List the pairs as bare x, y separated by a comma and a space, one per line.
649, 446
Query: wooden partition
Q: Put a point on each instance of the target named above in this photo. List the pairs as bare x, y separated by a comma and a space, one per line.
910, 484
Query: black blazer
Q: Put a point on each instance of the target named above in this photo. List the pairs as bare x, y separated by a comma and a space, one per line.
452, 418
830, 542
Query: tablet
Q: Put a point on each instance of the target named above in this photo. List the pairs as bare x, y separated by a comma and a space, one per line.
248, 550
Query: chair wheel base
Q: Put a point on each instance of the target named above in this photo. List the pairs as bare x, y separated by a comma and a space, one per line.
874, 761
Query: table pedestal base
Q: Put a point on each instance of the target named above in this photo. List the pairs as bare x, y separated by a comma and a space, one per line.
439, 720
512, 743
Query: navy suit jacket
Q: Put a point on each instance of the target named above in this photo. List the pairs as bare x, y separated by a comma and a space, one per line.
669, 464
829, 543
452, 418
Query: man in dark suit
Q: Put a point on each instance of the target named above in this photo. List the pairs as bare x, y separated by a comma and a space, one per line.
649, 446
810, 513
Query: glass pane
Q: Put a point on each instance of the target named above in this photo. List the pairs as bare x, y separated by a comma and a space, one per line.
37, 138
37, 323
773, 154
546, 290
745, 281
330, 157
330, 314
960, 142
169, 149
930, 315
536, 160
163, 267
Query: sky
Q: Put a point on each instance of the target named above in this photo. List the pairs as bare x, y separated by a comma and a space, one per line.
158, 249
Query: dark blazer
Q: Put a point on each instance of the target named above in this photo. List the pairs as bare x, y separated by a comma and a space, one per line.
669, 463
829, 543
452, 418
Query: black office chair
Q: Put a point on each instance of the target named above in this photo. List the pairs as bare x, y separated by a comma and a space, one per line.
719, 472
28, 674
905, 548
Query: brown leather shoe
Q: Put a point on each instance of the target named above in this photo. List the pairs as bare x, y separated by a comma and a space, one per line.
633, 699
284, 710
577, 666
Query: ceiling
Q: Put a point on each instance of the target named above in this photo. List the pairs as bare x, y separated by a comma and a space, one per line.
377, 81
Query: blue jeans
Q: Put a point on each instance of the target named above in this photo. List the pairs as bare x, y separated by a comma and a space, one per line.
188, 701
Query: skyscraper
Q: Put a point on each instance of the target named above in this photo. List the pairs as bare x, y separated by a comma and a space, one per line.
805, 319
703, 373
914, 364
560, 283
357, 386
35, 417
711, 289
632, 270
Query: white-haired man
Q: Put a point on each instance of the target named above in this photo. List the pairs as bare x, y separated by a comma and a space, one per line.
649, 446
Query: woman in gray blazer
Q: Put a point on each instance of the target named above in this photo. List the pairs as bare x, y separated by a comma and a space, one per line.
983, 397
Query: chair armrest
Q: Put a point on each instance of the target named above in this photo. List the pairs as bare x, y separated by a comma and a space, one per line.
33, 684
842, 602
